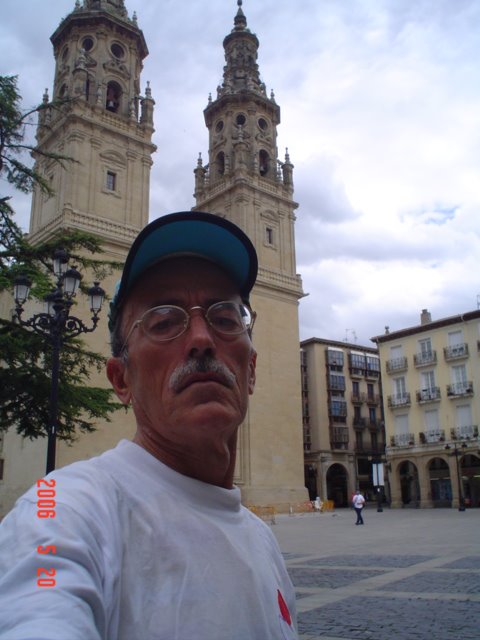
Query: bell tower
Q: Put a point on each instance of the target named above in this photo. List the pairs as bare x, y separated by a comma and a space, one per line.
103, 123
245, 181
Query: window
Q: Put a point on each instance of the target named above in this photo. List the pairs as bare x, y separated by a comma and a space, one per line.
428, 380
114, 94
87, 43
335, 357
337, 382
111, 181
269, 235
373, 363
338, 408
372, 415
264, 162
370, 391
425, 348
220, 163
356, 389
399, 387
359, 439
357, 360
117, 50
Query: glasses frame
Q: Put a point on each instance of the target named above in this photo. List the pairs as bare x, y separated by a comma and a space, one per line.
139, 321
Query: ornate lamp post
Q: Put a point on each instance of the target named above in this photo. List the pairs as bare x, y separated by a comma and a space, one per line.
456, 451
58, 326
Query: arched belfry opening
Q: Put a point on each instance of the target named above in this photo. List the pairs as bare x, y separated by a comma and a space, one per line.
114, 97
263, 163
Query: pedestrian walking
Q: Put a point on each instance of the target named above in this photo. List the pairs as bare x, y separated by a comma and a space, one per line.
358, 504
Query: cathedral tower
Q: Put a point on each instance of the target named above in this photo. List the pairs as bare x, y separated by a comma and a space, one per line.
245, 181
105, 126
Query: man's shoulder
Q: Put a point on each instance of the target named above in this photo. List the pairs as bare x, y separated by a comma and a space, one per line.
84, 482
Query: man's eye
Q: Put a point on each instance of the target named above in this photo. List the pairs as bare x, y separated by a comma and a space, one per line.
226, 321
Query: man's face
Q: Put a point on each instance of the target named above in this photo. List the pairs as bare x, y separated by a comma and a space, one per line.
175, 410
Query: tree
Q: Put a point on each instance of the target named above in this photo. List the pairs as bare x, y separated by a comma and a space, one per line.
25, 374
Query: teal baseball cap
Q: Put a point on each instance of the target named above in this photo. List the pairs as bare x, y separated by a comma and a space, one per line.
189, 233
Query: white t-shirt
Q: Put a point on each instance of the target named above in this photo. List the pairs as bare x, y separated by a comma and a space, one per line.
142, 553
358, 501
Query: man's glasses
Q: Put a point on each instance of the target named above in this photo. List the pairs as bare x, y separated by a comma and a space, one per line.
168, 322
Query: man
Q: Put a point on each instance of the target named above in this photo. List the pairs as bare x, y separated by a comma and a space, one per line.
149, 541
358, 504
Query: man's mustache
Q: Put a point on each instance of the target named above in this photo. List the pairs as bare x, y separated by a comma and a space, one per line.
200, 365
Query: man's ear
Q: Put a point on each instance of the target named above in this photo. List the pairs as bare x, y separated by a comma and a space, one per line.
117, 374
252, 376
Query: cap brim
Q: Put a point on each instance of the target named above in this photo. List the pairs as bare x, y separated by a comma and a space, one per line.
193, 233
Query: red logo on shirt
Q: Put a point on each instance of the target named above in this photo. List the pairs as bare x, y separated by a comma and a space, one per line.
285, 613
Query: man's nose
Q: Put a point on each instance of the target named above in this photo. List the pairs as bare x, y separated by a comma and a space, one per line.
200, 335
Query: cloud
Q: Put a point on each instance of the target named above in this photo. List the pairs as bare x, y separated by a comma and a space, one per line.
380, 108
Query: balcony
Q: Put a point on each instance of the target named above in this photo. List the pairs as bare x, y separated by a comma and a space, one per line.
402, 440
460, 389
432, 436
373, 399
466, 432
356, 372
339, 437
456, 352
425, 359
375, 425
358, 398
397, 364
359, 423
369, 450
399, 400
372, 373
428, 395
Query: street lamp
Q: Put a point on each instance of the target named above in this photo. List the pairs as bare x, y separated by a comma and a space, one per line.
57, 325
455, 452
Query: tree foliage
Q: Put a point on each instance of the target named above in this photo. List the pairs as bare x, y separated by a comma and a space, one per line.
25, 357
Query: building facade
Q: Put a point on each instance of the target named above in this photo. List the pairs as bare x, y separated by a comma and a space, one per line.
431, 382
245, 181
343, 431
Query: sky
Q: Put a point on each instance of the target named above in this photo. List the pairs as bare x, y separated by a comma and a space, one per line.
380, 111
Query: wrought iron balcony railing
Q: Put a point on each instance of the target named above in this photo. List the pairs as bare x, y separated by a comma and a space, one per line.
426, 358
397, 364
456, 352
456, 389
402, 440
399, 400
429, 395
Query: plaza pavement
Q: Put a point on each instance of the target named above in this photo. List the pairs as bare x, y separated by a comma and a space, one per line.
407, 574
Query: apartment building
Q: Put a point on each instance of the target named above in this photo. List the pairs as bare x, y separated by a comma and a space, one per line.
343, 431
431, 386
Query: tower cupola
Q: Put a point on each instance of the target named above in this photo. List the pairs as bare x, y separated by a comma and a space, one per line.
242, 120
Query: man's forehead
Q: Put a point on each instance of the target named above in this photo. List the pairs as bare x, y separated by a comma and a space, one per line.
177, 274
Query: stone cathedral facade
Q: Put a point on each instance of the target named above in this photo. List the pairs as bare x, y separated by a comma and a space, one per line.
108, 130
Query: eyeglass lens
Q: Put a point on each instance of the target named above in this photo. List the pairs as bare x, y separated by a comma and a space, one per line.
168, 322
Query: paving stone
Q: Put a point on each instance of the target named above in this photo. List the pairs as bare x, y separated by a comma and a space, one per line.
369, 561
470, 562
408, 575
328, 578
438, 582
368, 618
